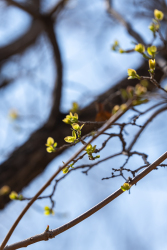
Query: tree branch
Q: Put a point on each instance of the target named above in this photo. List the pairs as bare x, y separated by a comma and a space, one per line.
23, 42
102, 130
25, 8
52, 233
124, 23
30, 159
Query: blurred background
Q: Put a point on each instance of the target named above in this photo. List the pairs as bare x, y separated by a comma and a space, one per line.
53, 54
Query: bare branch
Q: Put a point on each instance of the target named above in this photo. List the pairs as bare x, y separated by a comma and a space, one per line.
25, 8
103, 129
23, 42
52, 233
122, 21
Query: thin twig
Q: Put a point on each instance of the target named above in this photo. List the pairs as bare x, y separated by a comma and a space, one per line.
104, 127
52, 233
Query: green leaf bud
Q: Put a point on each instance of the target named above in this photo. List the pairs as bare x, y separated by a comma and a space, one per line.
154, 27
140, 48
69, 139
125, 187
50, 149
75, 107
133, 74
51, 145
50, 141
115, 109
152, 50
13, 195
70, 119
97, 156
158, 15
123, 107
152, 64
115, 46
48, 210
139, 102
121, 51
20, 197
75, 126
65, 170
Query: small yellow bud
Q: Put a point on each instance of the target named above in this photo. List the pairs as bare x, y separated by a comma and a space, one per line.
115, 46
121, 51
48, 210
125, 186
13, 195
70, 119
158, 15
140, 48
75, 107
123, 107
65, 170
51, 145
133, 74
152, 64
69, 139
154, 27
115, 109
152, 50
50, 141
